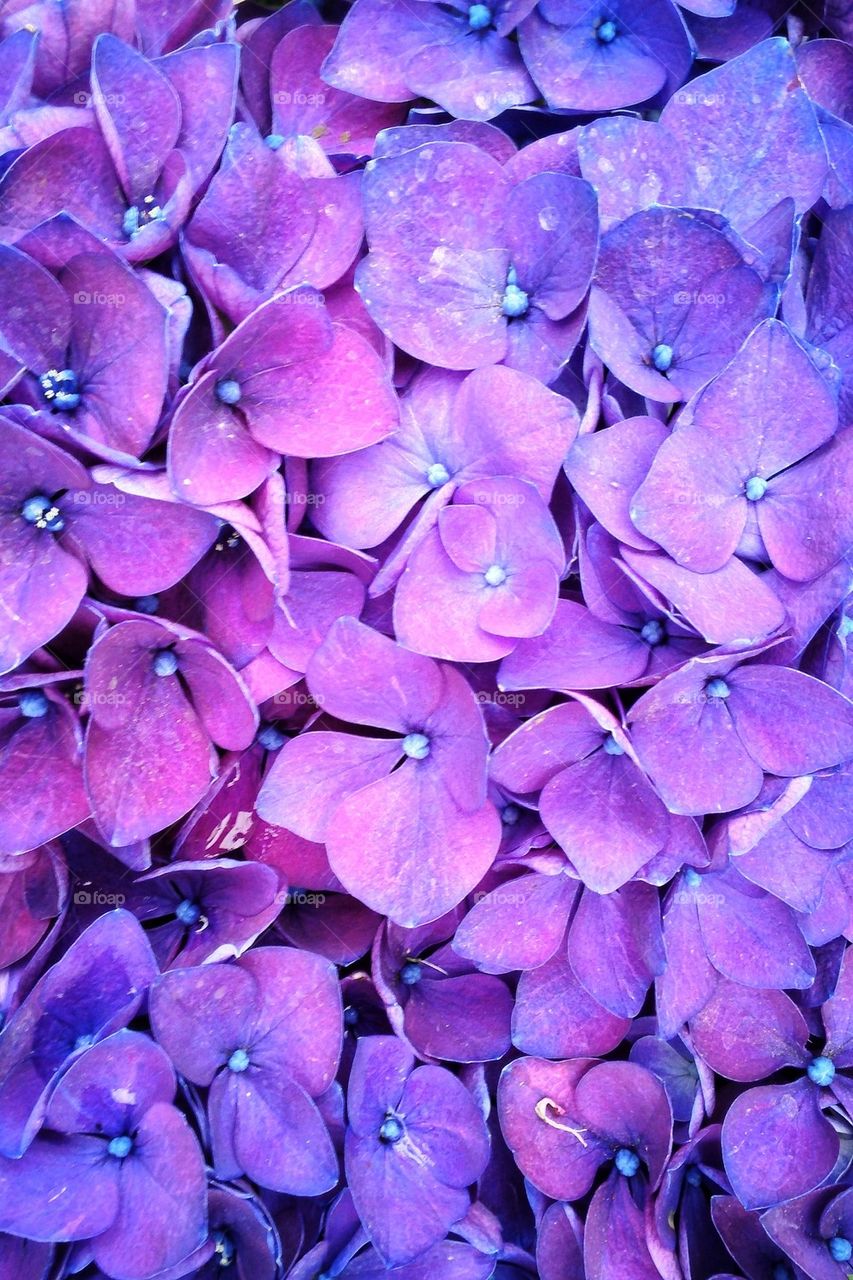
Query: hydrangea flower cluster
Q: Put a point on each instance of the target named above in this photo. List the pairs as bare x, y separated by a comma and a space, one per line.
426, 799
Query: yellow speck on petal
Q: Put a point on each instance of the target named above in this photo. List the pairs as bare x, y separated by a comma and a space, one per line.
319, 131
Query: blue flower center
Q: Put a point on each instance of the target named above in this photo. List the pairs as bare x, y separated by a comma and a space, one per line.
350, 1016
510, 815
229, 391
437, 475
821, 1071
717, 689
275, 141
33, 704
41, 512
165, 663
188, 912
662, 354
60, 390
416, 746
391, 1130
515, 301
271, 738
755, 488
147, 604
606, 32
140, 215
239, 1060
224, 1249
627, 1162
120, 1147
653, 632
411, 973
479, 17
611, 746
840, 1249
692, 878
495, 575
693, 1176
782, 1272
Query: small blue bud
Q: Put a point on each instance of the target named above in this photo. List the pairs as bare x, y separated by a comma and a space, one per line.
663, 353
840, 1249
239, 1060
755, 488
120, 1147
229, 391
33, 704
821, 1071
411, 974
717, 688
627, 1162
416, 746
479, 17
391, 1130
188, 912
165, 663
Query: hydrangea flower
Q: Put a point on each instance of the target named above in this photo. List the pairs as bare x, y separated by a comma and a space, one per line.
718, 485
486, 574
415, 1142
425, 688
608, 55
672, 301
96, 988
395, 812
458, 54
265, 1035
113, 1149
153, 687
500, 274
283, 374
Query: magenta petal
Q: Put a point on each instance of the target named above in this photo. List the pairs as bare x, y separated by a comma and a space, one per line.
404, 847
690, 747
60, 1189
616, 948
764, 1121
731, 605
746, 1034
211, 457
692, 501
607, 468
165, 1176
576, 651
540, 1121
44, 756
280, 1138
315, 772
198, 1015
789, 722
518, 925
606, 818
615, 1238
555, 1017
552, 236
138, 111
124, 801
